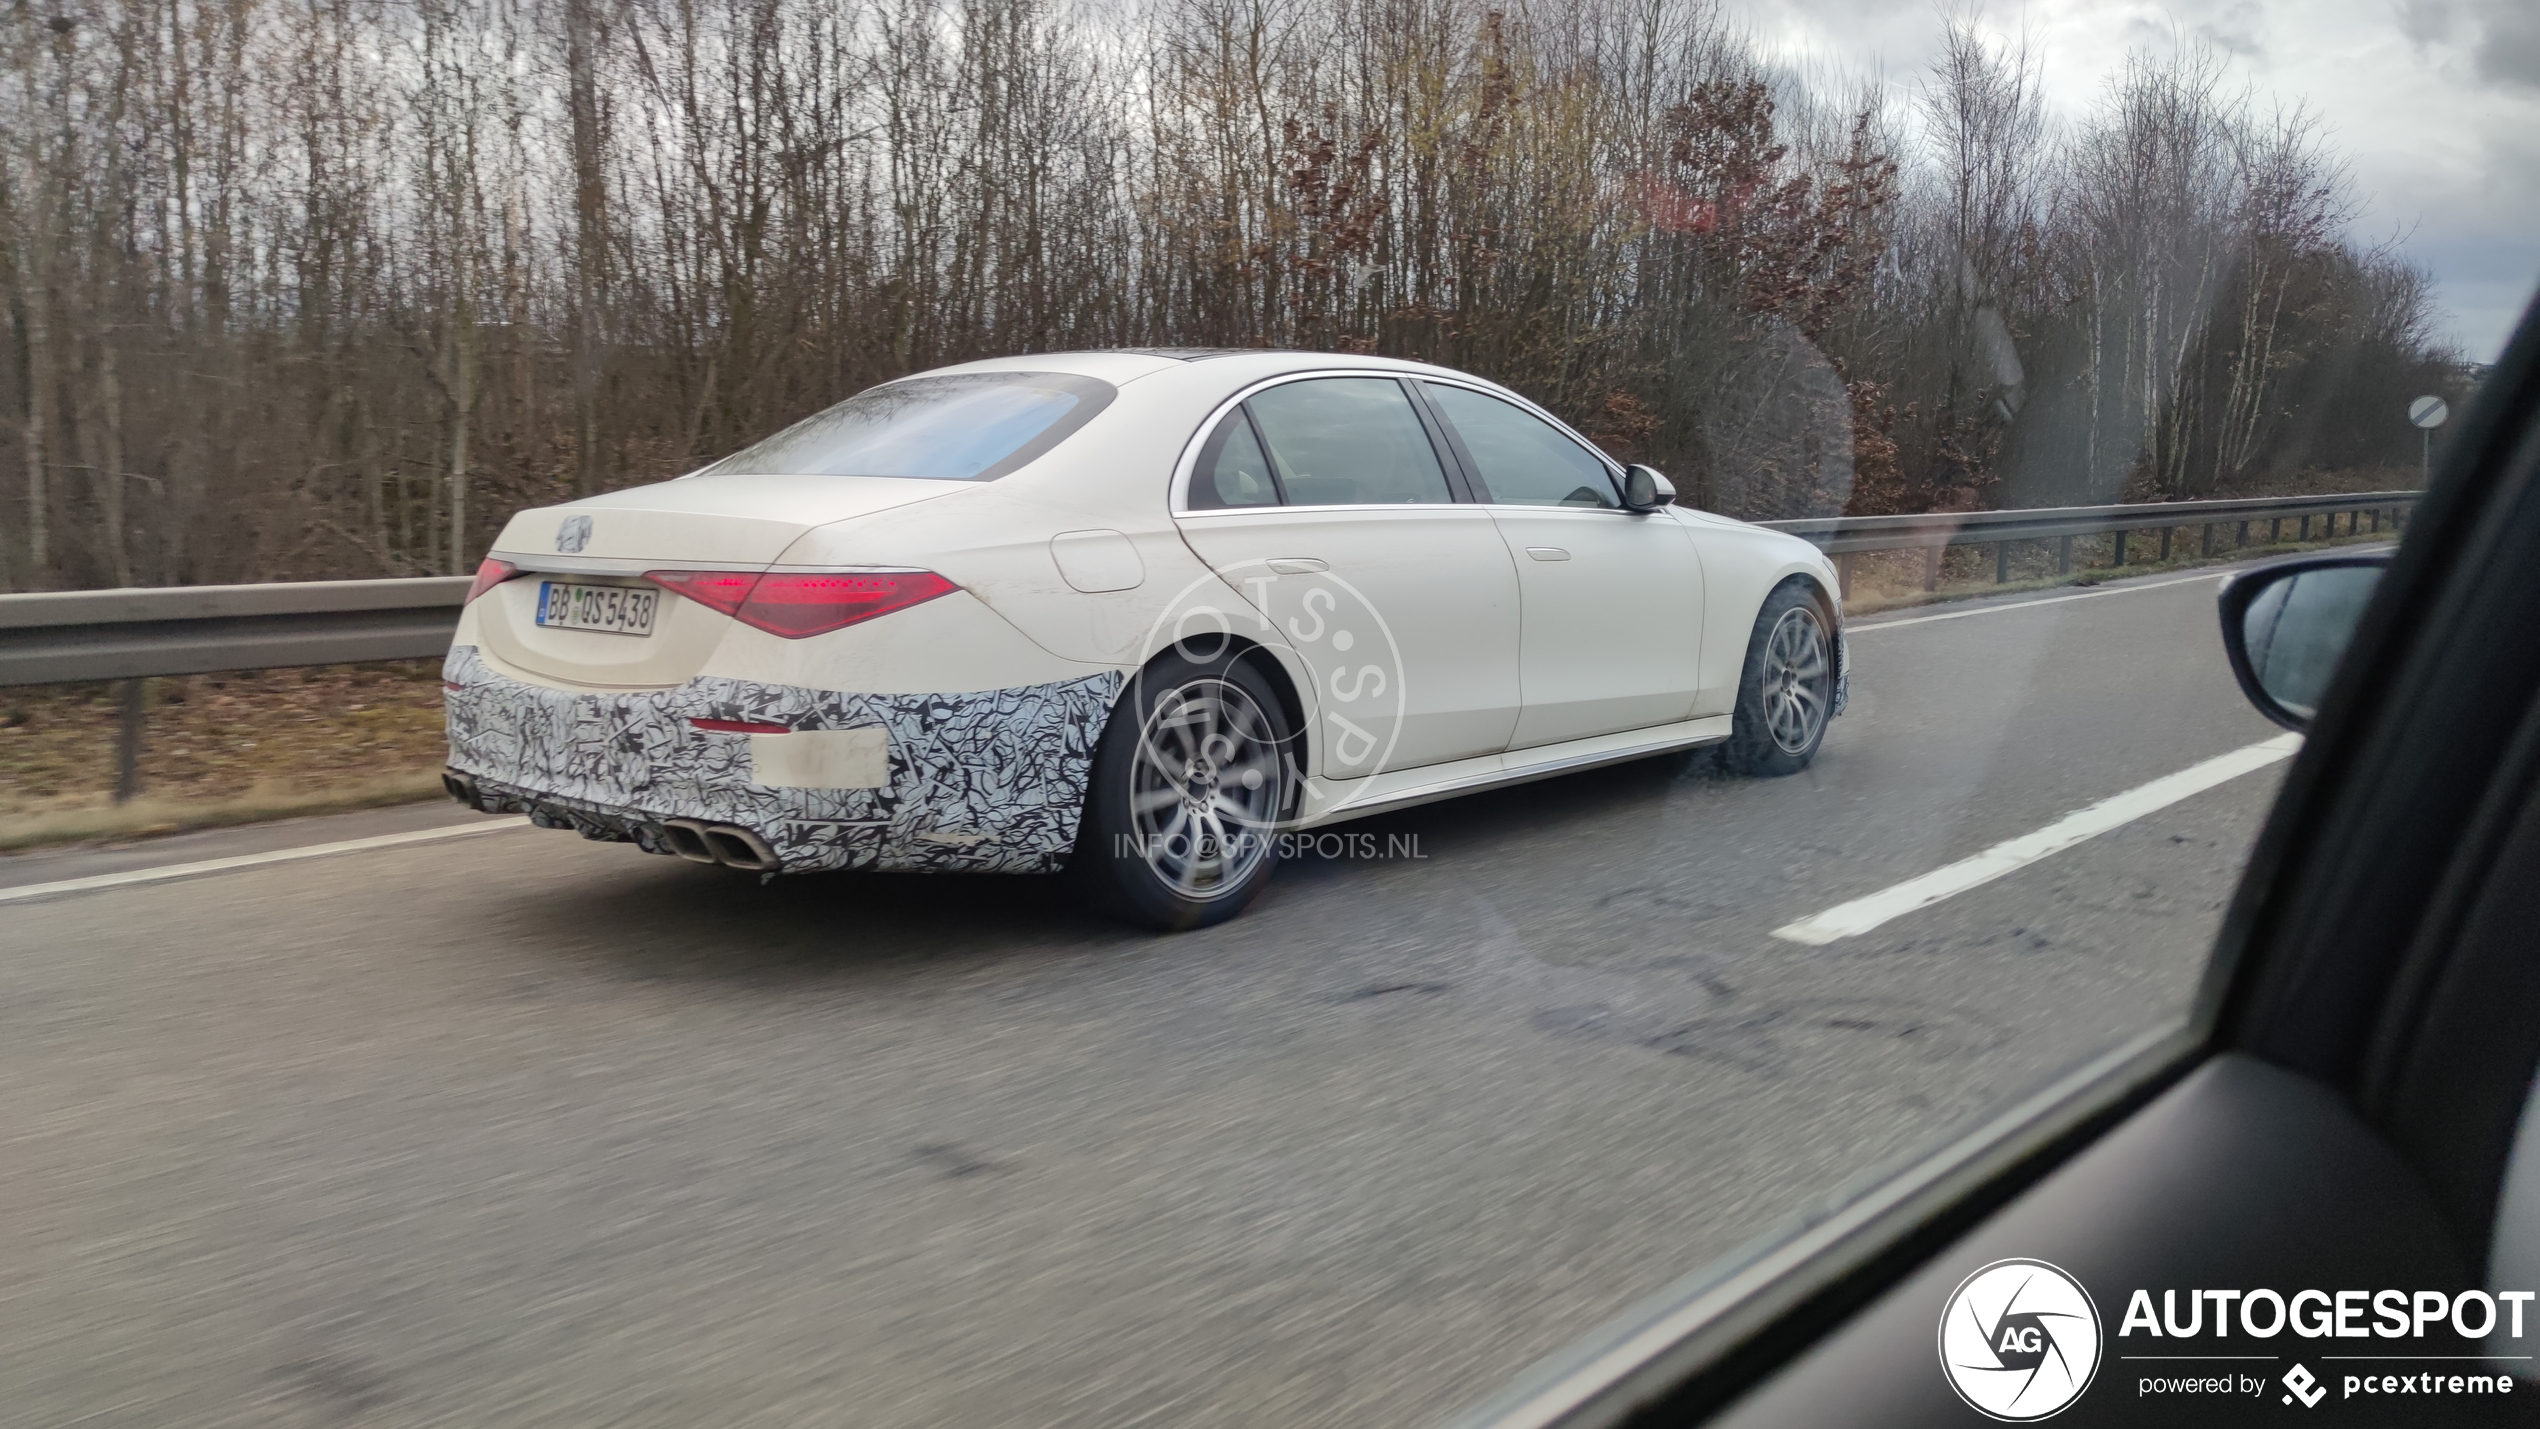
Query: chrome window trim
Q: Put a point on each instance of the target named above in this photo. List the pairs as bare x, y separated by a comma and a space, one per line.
1613, 468
1178, 494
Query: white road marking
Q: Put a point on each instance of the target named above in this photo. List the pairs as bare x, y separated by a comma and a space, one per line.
1849, 629
166, 872
1859, 916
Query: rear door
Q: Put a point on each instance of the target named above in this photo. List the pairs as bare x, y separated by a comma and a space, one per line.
1611, 630
1325, 501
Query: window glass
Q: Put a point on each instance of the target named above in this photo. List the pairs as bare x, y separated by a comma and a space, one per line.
1232, 470
1520, 458
971, 426
1349, 441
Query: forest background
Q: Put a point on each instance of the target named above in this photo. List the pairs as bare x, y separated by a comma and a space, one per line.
299, 289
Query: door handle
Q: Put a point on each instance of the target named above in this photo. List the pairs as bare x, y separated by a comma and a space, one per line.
1547, 553
1298, 565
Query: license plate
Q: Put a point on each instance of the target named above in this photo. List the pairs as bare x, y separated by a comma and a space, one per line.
609, 609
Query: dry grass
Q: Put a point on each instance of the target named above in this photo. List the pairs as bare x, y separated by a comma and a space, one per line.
219, 749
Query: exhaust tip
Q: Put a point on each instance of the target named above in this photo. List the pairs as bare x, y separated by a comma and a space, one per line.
736, 847
687, 838
461, 787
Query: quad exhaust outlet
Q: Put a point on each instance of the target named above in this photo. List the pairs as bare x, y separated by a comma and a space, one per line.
728, 844
692, 839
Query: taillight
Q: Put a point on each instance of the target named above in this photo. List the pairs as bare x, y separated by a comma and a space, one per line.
794, 604
489, 575
725, 591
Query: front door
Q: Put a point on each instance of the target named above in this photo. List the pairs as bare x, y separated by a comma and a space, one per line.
1611, 633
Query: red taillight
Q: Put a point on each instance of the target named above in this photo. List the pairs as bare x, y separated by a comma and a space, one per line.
799, 603
489, 575
725, 591
741, 726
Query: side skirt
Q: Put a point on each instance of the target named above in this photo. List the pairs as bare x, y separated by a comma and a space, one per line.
1330, 801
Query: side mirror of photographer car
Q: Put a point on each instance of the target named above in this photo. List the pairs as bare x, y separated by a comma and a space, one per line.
1644, 489
2286, 625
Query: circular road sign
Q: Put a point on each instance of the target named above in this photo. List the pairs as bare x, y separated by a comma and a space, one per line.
2429, 412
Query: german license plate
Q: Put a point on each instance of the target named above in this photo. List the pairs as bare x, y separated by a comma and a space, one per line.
609, 609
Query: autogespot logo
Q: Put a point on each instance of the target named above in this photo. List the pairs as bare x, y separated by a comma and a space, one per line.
2019, 1340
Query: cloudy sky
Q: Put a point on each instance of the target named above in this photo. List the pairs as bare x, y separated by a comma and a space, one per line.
2436, 103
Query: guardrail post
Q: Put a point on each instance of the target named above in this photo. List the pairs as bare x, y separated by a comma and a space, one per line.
2166, 534
2244, 533
2209, 539
2120, 547
2001, 562
128, 741
1931, 567
2376, 520
2304, 531
2064, 556
1843, 575
2275, 530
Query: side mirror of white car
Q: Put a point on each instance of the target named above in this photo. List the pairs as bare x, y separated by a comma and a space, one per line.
1644, 490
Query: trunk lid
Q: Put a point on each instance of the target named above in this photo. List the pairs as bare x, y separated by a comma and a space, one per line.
726, 522
745, 520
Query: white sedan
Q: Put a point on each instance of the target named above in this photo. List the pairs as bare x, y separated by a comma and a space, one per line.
1141, 615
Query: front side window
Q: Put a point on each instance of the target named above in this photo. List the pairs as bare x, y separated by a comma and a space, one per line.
1349, 441
1519, 457
964, 426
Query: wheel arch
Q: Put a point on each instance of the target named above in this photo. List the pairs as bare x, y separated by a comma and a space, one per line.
1266, 659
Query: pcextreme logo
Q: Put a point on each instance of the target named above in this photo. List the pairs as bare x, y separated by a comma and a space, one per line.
2019, 1340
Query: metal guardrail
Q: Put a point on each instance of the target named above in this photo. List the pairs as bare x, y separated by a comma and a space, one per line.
76, 636
56, 637
1934, 532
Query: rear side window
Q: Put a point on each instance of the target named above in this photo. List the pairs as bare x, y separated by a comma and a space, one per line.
1522, 459
967, 426
1349, 441
1232, 470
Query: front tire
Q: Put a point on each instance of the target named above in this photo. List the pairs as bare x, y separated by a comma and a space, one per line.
1785, 696
1189, 784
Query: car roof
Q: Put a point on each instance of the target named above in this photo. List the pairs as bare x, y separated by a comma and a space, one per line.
1127, 364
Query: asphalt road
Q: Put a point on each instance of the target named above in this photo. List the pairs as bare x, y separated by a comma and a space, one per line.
513, 1129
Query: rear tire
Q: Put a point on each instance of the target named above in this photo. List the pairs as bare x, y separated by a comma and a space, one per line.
1785, 696
1189, 784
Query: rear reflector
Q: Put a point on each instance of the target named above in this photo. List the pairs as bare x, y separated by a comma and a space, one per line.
794, 604
489, 575
741, 726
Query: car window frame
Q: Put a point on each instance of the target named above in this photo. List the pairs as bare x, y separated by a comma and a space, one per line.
1481, 485
1186, 468
1692, 1349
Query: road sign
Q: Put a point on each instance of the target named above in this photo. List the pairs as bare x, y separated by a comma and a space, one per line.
2429, 412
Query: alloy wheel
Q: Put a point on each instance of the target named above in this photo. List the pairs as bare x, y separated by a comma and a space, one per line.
1798, 680
1205, 788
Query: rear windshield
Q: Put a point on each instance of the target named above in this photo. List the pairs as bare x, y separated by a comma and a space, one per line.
971, 426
